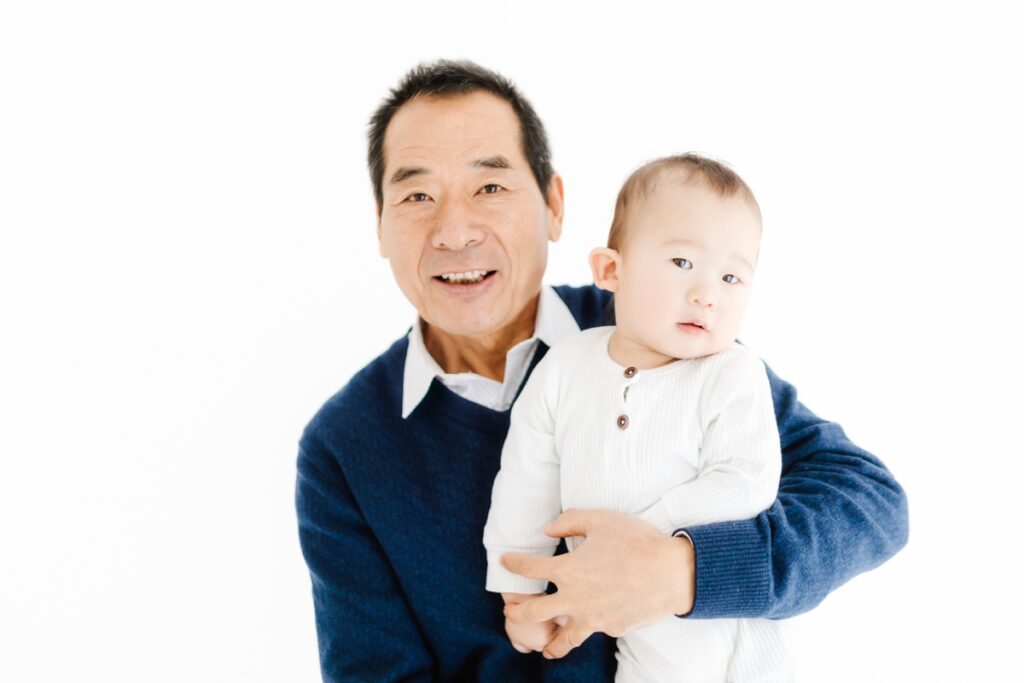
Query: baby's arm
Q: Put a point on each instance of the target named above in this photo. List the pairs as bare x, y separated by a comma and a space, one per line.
524, 499
740, 457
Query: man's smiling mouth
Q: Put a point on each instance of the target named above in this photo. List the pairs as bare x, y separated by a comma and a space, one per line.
469, 277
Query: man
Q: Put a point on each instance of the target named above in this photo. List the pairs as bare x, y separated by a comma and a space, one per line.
395, 471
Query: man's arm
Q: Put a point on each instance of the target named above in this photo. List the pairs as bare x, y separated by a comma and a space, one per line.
839, 513
365, 628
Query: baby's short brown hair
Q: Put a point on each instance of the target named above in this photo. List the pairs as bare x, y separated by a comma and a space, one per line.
684, 168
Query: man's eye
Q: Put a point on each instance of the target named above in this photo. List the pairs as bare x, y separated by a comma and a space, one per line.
417, 197
730, 278
491, 188
683, 263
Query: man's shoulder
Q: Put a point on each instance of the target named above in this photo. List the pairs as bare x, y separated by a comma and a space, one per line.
589, 305
374, 390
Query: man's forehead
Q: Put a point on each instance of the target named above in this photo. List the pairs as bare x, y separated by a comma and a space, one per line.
465, 129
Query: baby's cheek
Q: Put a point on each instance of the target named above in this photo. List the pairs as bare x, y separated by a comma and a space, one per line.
657, 306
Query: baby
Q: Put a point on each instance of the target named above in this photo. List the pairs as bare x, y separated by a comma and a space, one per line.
662, 416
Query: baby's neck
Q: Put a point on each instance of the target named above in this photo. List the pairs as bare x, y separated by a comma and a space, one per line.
629, 353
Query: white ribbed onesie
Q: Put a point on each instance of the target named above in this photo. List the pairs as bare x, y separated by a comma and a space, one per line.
688, 443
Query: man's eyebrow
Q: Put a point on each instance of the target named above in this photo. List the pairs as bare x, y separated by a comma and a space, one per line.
497, 161
406, 172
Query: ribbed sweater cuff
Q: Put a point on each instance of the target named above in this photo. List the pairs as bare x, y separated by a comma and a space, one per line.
733, 574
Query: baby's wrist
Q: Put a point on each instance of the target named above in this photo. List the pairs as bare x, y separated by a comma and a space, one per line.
516, 598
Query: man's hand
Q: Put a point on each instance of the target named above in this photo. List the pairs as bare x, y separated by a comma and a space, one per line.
623, 576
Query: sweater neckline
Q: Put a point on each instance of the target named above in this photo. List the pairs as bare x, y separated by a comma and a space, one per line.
440, 402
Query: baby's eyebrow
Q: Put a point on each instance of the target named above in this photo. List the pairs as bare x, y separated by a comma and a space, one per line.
744, 261
682, 242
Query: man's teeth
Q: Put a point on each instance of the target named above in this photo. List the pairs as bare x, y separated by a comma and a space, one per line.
469, 276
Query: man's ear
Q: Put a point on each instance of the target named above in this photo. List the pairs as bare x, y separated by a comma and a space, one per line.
556, 207
604, 265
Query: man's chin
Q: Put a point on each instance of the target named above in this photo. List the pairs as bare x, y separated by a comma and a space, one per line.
465, 321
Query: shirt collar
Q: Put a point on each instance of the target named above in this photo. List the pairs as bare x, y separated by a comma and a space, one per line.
554, 322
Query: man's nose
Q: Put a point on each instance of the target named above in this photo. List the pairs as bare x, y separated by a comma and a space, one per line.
456, 226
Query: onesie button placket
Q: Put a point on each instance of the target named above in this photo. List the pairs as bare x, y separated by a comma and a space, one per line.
622, 421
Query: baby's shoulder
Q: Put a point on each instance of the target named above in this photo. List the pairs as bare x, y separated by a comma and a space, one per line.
573, 354
584, 343
733, 368
736, 356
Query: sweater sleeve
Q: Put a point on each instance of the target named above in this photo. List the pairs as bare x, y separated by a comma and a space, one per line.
839, 512
526, 493
365, 628
739, 461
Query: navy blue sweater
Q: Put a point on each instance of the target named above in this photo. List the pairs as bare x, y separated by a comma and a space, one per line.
391, 514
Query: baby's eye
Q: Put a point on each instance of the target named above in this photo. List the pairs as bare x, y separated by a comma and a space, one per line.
417, 197
491, 188
683, 263
730, 278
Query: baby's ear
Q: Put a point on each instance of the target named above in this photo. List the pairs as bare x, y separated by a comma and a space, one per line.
604, 265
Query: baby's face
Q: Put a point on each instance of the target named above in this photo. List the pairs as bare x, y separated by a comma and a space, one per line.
686, 270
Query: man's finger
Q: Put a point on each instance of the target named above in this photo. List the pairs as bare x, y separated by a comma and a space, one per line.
531, 566
568, 638
536, 610
573, 523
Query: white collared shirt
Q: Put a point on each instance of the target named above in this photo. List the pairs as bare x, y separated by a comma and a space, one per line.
554, 322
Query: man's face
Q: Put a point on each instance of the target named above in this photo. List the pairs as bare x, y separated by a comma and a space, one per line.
686, 270
463, 221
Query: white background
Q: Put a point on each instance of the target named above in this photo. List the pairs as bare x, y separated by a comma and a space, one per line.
188, 269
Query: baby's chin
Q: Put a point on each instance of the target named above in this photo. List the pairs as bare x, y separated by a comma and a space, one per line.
697, 349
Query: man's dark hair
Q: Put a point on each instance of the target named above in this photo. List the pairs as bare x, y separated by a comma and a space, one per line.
445, 78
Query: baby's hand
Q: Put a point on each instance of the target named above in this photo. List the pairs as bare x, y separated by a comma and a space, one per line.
530, 637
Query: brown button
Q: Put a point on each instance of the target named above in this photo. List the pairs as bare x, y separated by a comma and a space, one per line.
622, 422
630, 371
